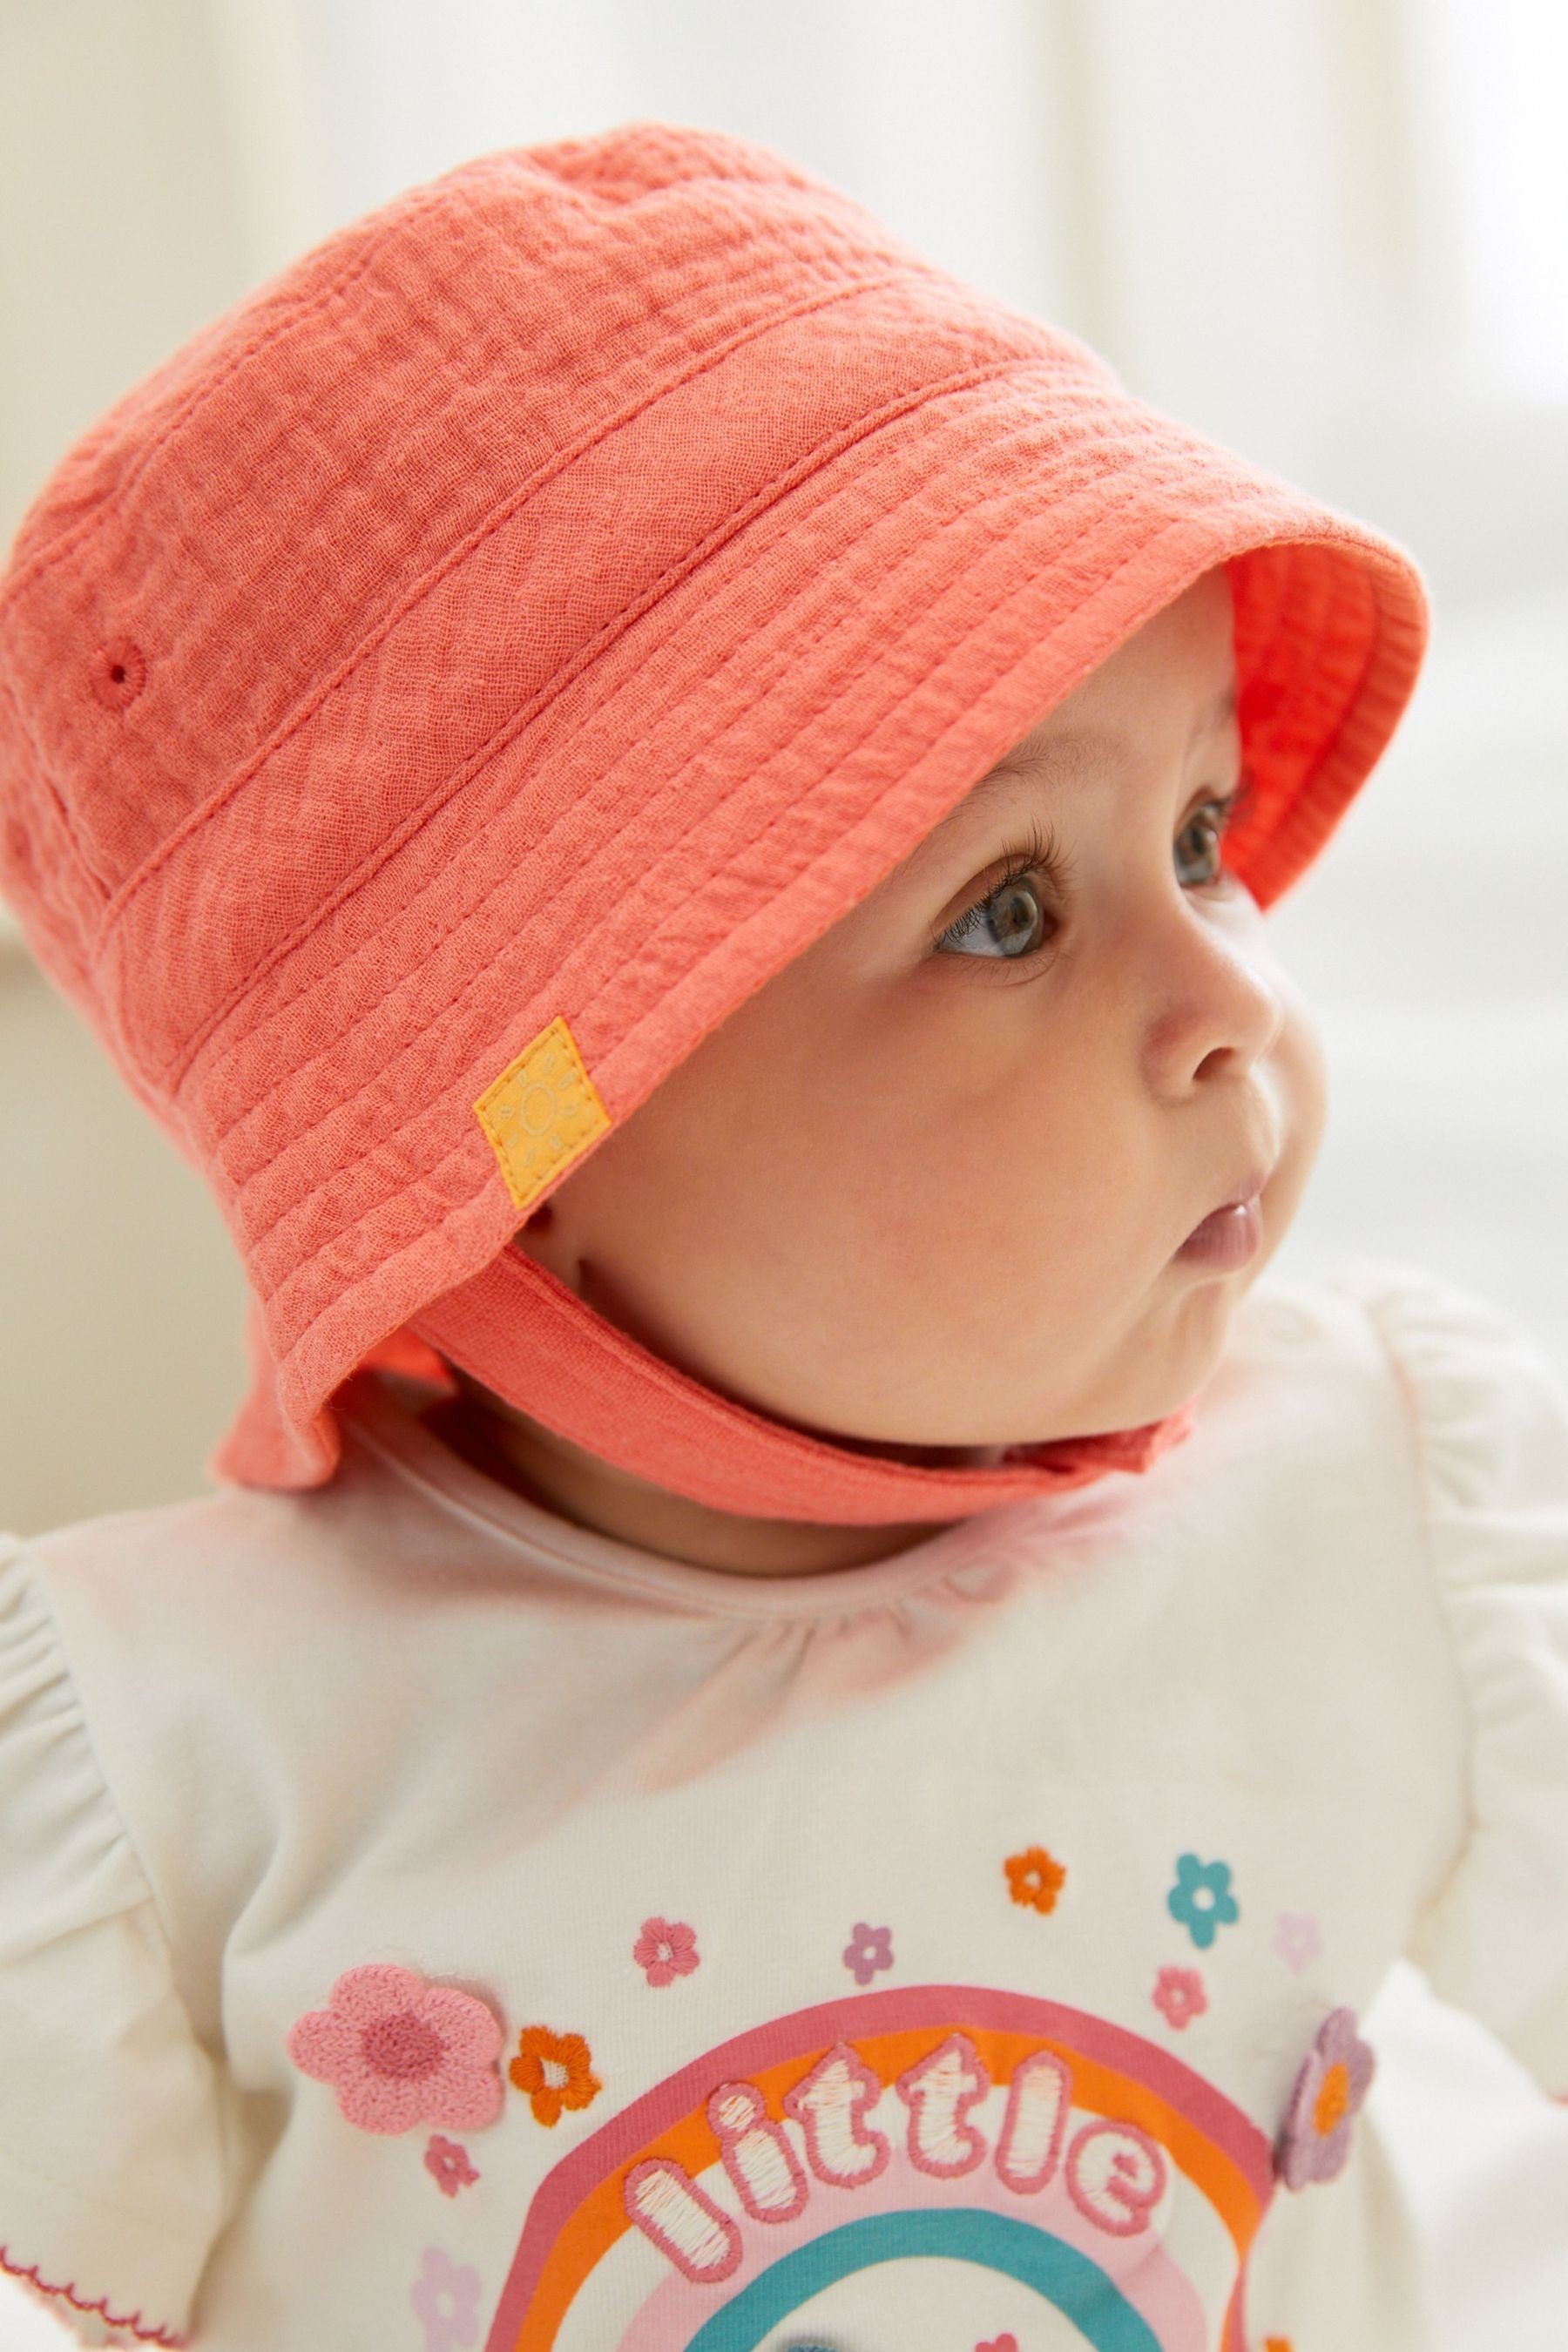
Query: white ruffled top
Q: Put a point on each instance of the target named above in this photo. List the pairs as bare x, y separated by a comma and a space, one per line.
1307, 1676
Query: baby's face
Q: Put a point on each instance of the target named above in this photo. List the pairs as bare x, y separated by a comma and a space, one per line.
928, 1187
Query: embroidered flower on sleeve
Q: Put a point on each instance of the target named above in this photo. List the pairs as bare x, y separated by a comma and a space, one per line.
400, 2052
665, 1949
446, 2299
556, 2072
1179, 1996
1297, 1939
1035, 1878
448, 2166
869, 1949
1335, 2077
1201, 1899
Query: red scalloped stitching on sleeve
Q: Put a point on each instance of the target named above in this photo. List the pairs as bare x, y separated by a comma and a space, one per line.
110, 2318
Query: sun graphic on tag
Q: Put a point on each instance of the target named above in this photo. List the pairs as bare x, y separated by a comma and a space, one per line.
942, 2164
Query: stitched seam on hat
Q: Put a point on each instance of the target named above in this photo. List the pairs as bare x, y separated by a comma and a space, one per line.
813, 462
557, 463
257, 1240
670, 789
301, 313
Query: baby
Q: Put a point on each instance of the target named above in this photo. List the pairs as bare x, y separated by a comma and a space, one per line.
803, 1724
977, 1110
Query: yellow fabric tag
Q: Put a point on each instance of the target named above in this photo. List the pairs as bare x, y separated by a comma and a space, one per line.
541, 1112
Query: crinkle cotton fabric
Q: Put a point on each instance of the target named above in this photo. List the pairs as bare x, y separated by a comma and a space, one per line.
459, 677
793, 1945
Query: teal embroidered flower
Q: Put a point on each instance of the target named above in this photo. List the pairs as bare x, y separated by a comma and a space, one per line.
1200, 1898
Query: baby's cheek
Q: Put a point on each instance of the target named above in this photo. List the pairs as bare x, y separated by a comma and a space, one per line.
1297, 1073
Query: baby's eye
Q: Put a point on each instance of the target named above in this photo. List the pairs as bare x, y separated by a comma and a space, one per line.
1202, 836
1011, 921
1007, 924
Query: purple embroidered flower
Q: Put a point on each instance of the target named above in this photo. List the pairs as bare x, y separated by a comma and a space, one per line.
869, 1949
1200, 1898
448, 2166
446, 2299
1179, 1996
1335, 2077
1297, 1939
665, 1949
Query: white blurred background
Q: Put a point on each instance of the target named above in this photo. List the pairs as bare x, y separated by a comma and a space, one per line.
1333, 232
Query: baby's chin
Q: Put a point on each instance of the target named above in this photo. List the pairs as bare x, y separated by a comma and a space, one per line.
1154, 1374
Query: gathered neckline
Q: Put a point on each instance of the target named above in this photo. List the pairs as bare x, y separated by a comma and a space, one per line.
382, 1412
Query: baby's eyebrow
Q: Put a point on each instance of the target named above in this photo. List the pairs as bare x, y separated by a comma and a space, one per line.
1068, 750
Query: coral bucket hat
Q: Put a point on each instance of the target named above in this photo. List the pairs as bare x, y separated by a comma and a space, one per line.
445, 689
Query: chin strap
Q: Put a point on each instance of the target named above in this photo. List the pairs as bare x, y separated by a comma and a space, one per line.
529, 1339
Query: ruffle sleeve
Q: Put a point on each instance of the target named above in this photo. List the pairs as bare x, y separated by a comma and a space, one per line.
1491, 1420
112, 2173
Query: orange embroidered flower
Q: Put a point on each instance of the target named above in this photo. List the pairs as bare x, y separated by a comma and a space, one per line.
1277, 2344
1035, 1878
555, 2070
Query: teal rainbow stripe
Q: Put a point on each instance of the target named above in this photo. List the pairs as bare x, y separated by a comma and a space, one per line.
1077, 2286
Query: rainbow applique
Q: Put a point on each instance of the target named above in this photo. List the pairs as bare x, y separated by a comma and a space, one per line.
925, 2165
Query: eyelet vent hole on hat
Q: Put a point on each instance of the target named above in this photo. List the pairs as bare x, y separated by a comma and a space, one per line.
118, 672
541, 1112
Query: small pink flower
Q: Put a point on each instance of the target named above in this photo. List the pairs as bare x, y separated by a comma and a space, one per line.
1297, 1939
1179, 1996
665, 1949
400, 2052
448, 2166
869, 1949
446, 2299
1335, 2077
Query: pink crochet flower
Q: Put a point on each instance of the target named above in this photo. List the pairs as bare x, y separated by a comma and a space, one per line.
665, 1949
1179, 1996
1335, 2078
448, 2166
400, 2052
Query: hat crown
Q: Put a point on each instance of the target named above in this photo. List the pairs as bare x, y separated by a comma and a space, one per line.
246, 527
